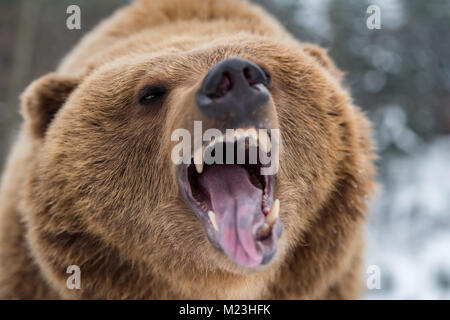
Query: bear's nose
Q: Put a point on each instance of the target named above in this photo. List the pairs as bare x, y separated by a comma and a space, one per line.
234, 88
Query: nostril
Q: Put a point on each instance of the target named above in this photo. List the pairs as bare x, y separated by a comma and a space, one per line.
254, 75
248, 75
225, 86
234, 88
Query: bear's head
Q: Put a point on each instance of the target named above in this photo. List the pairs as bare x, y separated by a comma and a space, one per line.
119, 178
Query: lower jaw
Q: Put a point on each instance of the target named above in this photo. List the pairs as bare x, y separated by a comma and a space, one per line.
269, 244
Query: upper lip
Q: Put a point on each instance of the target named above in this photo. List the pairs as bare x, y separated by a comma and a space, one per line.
267, 233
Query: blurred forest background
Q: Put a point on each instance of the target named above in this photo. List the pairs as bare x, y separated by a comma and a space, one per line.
400, 75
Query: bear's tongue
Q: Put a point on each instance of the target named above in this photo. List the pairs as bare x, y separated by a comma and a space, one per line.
237, 205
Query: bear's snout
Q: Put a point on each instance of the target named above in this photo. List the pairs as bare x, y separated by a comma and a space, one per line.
234, 89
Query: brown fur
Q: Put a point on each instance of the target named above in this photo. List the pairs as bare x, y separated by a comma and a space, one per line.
90, 181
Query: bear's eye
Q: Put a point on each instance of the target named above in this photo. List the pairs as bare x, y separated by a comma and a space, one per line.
151, 94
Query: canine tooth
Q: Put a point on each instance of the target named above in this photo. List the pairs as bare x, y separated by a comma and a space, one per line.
264, 229
198, 159
199, 167
212, 218
264, 141
274, 213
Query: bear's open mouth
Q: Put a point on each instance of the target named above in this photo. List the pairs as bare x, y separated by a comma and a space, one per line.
233, 199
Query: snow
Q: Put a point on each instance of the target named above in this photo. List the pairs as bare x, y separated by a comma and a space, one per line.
409, 228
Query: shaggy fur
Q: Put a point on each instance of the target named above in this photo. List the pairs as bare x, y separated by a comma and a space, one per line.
90, 181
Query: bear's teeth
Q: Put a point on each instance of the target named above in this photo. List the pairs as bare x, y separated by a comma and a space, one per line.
199, 167
252, 137
264, 230
230, 137
271, 217
264, 141
274, 213
198, 160
212, 218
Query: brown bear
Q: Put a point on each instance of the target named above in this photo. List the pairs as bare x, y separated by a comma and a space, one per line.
91, 180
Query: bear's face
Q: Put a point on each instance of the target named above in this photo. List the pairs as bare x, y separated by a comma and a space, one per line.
106, 167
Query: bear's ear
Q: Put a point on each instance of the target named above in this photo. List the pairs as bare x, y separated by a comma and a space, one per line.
321, 56
43, 98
